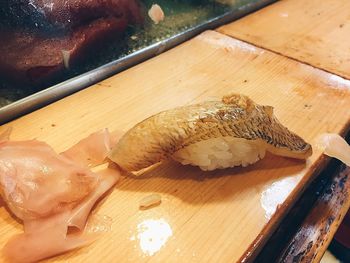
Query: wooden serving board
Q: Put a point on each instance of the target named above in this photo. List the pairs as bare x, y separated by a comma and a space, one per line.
204, 216
312, 31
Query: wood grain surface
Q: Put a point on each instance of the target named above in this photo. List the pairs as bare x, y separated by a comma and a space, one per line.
312, 31
204, 216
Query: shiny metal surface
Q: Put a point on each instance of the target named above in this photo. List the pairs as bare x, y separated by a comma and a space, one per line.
61, 90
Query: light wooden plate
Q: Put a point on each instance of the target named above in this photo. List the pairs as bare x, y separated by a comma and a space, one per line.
204, 217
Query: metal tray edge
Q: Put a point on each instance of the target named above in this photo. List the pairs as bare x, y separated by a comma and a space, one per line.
70, 86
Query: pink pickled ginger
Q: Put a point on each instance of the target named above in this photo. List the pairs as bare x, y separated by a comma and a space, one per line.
52, 192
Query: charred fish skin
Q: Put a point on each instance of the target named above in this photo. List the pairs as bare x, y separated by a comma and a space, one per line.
161, 135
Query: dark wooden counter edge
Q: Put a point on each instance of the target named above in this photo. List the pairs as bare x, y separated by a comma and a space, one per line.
307, 230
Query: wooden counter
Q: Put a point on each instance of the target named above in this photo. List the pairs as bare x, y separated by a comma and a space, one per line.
311, 31
220, 216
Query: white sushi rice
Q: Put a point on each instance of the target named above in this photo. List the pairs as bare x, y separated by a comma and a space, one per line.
150, 201
220, 153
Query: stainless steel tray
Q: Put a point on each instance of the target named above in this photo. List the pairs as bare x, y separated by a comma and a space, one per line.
63, 89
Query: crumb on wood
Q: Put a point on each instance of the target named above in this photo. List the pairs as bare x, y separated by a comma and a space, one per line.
150, 201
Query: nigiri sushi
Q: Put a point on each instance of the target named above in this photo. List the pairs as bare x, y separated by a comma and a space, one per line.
212, 135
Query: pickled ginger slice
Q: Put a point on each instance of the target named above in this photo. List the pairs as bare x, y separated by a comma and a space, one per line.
92, 150
335, 146
50, 194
